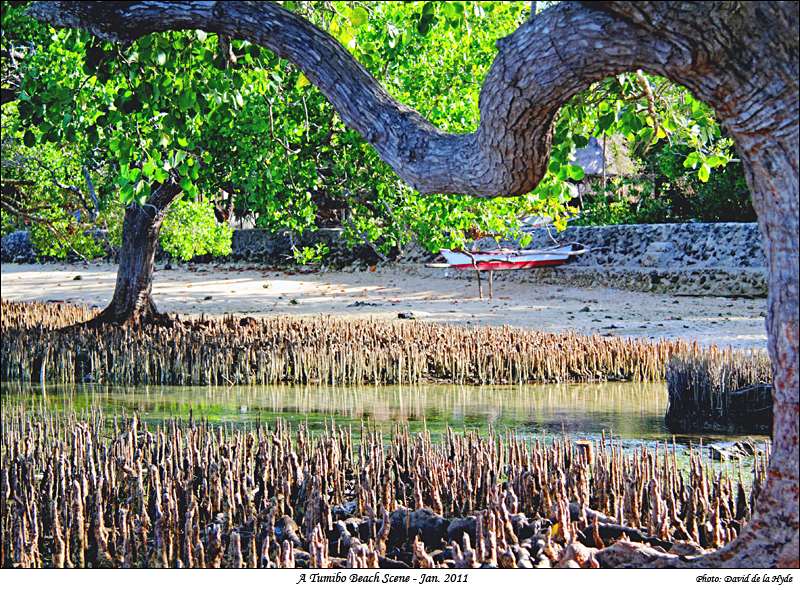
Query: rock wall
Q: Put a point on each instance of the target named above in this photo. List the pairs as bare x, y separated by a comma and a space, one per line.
17, 247
678, 245
258, 245
716, 259
247, 245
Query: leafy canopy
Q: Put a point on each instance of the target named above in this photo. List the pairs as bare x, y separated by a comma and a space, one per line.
245, 130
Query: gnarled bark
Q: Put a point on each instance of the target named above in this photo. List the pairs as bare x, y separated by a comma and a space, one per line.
132, 301
538, 68
739, 57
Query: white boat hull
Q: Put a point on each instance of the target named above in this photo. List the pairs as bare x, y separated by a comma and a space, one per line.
507, 260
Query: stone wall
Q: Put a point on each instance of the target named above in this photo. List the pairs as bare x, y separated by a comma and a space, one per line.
258, 245
718, 259
247, 245
17, 247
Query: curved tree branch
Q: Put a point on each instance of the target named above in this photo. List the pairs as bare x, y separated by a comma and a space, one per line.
538, 68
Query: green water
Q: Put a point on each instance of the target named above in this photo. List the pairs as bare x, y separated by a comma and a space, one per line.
630, 412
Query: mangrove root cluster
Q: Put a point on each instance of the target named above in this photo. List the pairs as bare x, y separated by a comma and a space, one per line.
78, 491
720, 391
243, 350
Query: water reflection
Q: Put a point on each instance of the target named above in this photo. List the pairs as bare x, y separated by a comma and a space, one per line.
629, 411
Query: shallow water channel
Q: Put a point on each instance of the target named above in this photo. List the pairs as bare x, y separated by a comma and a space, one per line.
630, 413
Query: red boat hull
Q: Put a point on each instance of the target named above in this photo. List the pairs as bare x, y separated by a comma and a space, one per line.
501, 265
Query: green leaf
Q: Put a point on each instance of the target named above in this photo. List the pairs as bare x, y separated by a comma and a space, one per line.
691, 160
359, 16
131, 105
425, 24
160, 175
178, 157
186, 100
427, 19
347, 38
140, 188
29, 139
126, 193
704, 172
148, 168
716, 161
645, 135
575, 172
605, 122
301, 81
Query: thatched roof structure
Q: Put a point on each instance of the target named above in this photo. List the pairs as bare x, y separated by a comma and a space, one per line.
590, 157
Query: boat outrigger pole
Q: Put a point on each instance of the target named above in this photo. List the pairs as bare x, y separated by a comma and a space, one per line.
505, 259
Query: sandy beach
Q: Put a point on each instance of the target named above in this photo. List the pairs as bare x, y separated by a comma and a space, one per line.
427, 293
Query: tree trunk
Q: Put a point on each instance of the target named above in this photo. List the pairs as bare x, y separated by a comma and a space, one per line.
132, 300
753, 87
771, 539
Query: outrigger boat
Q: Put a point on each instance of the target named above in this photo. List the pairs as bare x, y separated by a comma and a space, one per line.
505, 259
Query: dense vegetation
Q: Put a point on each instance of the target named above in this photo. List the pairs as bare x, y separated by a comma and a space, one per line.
665, 191
94, 126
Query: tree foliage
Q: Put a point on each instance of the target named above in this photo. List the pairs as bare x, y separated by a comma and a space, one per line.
243, 129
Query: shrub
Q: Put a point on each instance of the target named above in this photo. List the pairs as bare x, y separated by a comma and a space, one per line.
190, 229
